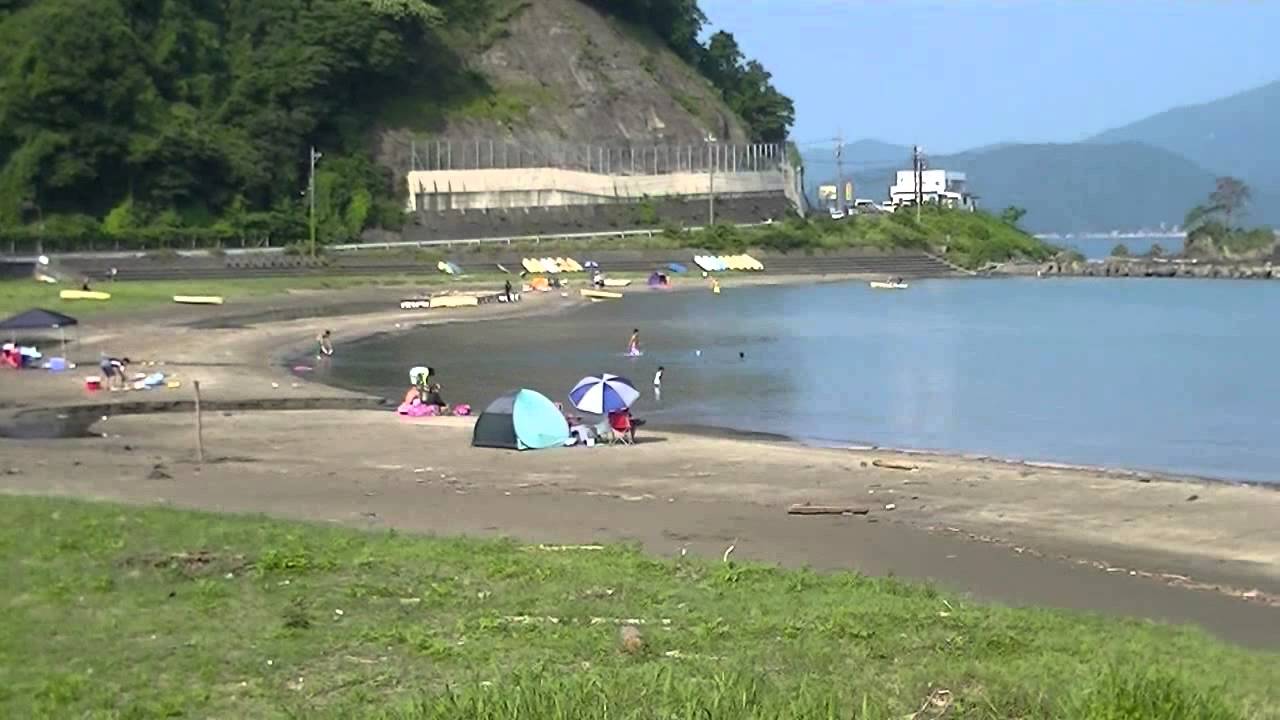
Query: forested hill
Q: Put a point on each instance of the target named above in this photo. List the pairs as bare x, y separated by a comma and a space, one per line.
135, 118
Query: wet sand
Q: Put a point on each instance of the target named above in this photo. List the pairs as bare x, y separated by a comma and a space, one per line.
1062, 537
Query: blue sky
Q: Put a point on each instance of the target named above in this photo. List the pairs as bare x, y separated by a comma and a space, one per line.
954, 75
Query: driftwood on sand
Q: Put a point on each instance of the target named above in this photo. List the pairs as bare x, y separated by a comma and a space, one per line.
806, 509
892, 465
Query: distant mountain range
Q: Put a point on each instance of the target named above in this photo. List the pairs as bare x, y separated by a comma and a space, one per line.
1237, 135
1134, 177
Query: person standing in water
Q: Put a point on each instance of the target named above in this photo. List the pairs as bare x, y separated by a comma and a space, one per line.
657, 383
325, 341
633, 345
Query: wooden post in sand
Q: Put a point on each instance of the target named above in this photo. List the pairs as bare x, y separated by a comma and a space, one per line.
199, 426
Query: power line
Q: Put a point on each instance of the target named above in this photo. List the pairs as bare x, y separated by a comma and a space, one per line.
855, 163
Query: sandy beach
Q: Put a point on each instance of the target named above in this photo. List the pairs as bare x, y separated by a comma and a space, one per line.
1171, 549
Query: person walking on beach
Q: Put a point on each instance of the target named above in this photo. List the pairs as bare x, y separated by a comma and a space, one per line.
325, 341
507, 290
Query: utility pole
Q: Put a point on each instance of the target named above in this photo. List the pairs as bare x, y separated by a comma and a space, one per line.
711, 207
840, 171
311, 196
917, 165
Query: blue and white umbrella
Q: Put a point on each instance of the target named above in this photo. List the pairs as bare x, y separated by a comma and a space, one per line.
603, 395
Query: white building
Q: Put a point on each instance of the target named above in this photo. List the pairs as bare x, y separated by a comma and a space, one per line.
941, 187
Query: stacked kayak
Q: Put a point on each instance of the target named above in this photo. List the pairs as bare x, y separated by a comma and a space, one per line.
551, 265
722, 263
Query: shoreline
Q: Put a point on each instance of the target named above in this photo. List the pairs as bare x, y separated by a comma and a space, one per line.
282, 359
1127, 532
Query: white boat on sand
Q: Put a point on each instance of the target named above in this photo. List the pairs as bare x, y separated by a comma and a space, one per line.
888, 285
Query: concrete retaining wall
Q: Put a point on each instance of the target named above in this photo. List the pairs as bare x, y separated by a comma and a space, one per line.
554, 187
569, 219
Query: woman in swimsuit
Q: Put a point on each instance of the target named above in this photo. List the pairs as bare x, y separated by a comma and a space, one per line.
633, 345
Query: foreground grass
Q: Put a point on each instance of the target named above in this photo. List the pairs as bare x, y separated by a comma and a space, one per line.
125, 612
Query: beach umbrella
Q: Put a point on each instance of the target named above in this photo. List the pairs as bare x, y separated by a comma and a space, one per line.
420, 372
604, 394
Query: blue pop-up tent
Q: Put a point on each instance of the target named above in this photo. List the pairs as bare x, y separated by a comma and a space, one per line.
521, 420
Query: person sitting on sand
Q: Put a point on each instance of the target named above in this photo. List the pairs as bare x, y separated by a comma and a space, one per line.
571, 419
621, 421
411, 396
433, 397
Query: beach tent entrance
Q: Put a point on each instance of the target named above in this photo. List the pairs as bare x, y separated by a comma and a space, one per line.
521, 420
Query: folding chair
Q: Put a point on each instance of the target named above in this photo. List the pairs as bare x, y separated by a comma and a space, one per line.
622, 434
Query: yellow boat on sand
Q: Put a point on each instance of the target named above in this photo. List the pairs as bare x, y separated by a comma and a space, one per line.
600, 294
83, 295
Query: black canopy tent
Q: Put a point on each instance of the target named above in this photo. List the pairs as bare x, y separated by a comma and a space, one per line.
39, 319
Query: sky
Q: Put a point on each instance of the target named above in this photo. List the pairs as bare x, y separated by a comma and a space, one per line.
956, 75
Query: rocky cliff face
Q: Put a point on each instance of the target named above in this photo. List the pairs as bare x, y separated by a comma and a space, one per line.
561, 72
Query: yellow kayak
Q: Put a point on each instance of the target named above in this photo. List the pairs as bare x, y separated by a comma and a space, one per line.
83, 295
198, 299
600, 294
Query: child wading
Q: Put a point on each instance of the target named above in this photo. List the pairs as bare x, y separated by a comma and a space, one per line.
325, 341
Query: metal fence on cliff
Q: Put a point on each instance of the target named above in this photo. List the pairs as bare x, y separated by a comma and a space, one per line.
625, 159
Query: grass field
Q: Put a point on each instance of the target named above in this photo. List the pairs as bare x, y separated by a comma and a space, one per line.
19, 295
118, 612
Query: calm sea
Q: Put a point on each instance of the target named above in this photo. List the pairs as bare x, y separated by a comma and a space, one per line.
1180, 376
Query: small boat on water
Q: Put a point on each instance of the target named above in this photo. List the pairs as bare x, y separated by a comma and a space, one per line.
898, 285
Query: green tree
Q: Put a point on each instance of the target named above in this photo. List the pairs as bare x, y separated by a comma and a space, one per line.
1228, 200
1229, 197
194, 110
1157, 250
1013, 214
747, 88
1120, 251
121, 220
